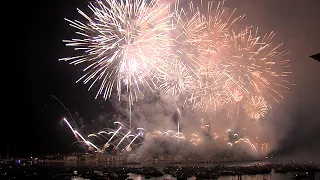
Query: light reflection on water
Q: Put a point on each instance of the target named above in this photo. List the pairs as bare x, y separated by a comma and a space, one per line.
138, 177
271, 176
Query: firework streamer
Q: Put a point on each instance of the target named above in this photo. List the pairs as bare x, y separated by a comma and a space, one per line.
122, 139
128, 147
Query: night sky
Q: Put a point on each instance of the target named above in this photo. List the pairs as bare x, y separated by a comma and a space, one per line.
32, 116
35, 30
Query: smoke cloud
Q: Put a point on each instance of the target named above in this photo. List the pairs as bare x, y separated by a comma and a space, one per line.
289, 128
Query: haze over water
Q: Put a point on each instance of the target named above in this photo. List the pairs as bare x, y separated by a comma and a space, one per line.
161, 166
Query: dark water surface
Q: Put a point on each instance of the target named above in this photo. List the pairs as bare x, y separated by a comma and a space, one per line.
70, 170
271, 176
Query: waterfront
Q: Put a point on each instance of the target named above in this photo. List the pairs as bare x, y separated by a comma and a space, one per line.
272, 176
92, 171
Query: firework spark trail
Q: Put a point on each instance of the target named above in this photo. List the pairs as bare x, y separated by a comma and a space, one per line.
128, 147
142, 129
77, 134
227, 137
122, 139
95, 135
194, 138
169, 133
65, 108
87, 142
69, 125
106, 145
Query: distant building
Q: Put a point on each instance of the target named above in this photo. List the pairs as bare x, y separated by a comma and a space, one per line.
146, 158
70, 158
169, 158
51, 157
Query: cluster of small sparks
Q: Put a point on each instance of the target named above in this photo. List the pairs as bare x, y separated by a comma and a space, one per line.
256, 107
192, 55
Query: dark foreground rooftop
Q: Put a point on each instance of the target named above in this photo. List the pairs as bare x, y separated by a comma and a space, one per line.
316, 57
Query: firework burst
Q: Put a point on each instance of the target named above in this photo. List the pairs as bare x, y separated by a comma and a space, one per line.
256, 107
176, 79
200, 36
123, 43
194, 55
255, 65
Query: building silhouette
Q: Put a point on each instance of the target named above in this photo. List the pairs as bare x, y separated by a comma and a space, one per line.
316, 57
